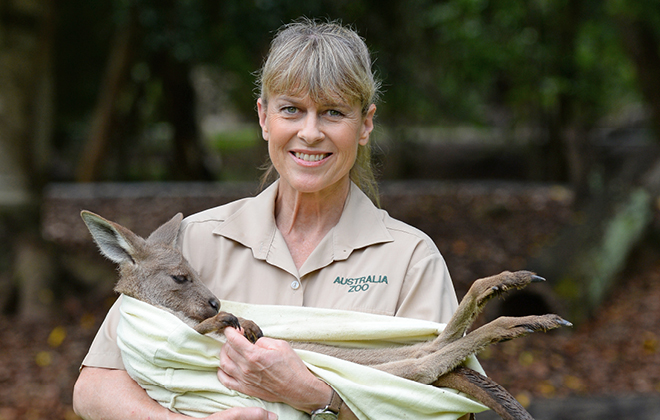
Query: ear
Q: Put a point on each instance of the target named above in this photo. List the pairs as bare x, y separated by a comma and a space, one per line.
167, 233
262, 110
367, 125
115, 242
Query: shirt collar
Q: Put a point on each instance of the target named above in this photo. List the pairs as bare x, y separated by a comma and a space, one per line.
361, 225
253, 225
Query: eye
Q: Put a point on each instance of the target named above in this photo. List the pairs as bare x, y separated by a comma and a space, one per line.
335, 113
180, 279
289, 110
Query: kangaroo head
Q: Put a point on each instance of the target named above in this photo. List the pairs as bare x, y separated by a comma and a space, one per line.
153, 270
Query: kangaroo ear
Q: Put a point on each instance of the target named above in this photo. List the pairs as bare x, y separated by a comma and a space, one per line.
115, 241
167, 233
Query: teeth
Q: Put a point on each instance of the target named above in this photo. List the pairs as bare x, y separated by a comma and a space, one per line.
310, 158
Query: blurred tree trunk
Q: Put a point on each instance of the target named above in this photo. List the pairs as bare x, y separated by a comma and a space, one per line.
187, 159
178, 107
642, 42
571, 151
26, 119
120, 60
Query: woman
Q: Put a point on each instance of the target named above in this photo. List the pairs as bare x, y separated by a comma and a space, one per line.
312, 238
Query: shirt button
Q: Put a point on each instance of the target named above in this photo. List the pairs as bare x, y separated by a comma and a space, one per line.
295, 285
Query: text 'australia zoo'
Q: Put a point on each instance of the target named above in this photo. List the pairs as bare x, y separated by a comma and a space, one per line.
360, 284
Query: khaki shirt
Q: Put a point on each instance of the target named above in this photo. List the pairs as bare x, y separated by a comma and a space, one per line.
369, 262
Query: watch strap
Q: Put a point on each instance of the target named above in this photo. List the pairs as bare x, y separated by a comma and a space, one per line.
333, 406
335, 402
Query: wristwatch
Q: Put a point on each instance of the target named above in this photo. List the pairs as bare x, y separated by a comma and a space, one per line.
330, 411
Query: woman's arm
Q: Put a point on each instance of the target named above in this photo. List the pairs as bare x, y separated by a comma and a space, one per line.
106, 394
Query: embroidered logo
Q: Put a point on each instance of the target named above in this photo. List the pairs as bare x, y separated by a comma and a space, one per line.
360, 284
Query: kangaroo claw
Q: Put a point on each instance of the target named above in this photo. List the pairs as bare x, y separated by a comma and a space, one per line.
251, 331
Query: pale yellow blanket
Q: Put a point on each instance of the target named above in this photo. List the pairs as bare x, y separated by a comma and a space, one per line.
177, 366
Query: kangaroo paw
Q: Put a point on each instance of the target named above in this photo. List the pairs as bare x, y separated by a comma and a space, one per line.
486, 391
218, 323
251, 331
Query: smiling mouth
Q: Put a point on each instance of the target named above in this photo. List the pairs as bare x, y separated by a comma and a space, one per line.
311, 158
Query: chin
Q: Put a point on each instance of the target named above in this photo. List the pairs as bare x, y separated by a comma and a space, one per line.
314, 184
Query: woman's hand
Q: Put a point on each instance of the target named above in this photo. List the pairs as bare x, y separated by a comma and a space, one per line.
243, 413
270, 370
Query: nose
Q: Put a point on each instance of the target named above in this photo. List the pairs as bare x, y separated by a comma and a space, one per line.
215, 304
311, 131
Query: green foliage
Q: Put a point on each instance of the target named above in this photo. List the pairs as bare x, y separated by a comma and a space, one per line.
528, 56
238, 139
450, 60
535, 62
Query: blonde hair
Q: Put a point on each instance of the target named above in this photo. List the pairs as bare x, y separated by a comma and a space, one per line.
326, 61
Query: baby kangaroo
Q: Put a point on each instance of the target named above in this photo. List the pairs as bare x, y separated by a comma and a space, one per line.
154, 271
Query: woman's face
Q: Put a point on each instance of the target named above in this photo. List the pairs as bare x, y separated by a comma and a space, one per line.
313, 146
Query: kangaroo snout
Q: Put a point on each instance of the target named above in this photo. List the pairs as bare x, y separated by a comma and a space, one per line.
215, 304
203, 311
208, 310
195, 302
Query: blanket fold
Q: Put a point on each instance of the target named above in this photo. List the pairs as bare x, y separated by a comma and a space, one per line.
177, 366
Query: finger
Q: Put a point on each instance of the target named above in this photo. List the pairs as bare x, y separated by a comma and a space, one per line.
237, 340
229, 370
255, 413
228, 381
229, 362
231, 356
236, 345
244, 413
240, 350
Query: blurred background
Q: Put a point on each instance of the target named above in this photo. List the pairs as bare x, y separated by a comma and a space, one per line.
517, 134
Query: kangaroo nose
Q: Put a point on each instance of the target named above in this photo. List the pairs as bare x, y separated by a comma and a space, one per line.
215, 304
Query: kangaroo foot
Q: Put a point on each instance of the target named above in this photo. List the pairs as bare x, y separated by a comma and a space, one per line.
501, 329
507, 328
489, 287
429, 368
479, 294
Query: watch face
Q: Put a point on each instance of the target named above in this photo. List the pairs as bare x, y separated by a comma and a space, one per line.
326, 415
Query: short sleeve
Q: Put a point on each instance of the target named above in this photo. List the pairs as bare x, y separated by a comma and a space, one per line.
428, 292
104, 352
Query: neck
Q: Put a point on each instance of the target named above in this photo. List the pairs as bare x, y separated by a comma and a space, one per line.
305, 218
297, 211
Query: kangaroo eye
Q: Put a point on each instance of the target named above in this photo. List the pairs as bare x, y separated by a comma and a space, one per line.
180, 279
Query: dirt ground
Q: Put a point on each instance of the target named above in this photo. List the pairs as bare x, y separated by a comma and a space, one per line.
615, 353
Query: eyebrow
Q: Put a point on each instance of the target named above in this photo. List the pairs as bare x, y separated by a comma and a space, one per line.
298, 100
